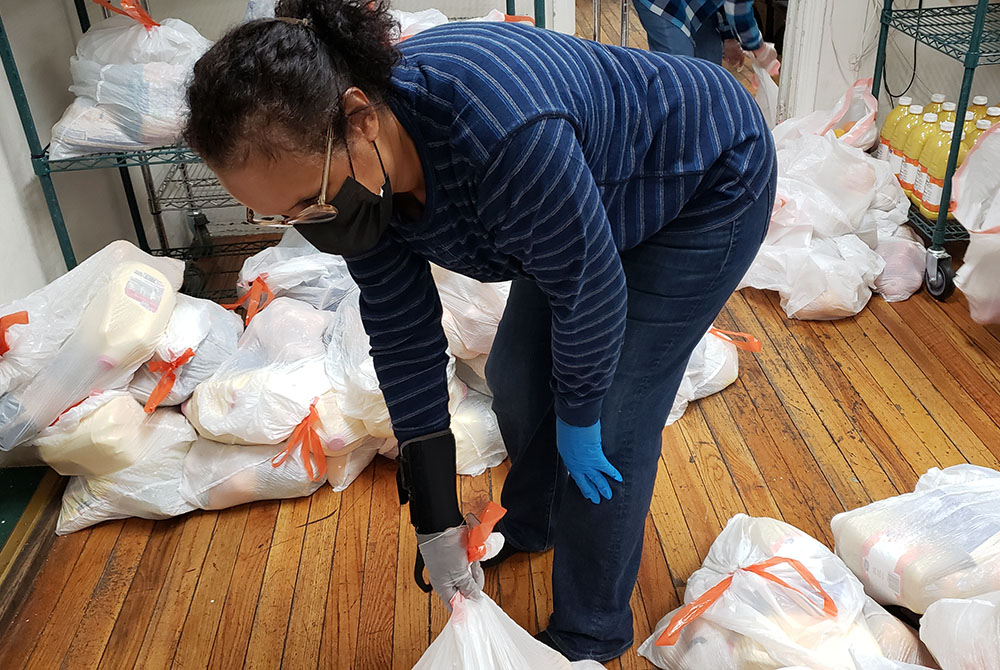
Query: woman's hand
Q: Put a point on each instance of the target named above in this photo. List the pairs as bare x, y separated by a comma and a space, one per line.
767, 58
580, 448
732, 53
446, 557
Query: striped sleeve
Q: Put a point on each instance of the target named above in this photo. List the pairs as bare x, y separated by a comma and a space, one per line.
538, 197
725, 29
401, 312
740, 14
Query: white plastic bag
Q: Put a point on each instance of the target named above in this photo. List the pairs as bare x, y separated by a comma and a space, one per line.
99, 436
480, 636
296, 269
262, 392
412, 23
478, 443
977, 184
114, 334
351, 370
979, 276
852, 120
130, 76
345, 465
472, 311
714, 365
897, 641
772, 597
964, 634
766, 94
905, 262
217, 476
54, 310
209, 332
149, 489
941, 541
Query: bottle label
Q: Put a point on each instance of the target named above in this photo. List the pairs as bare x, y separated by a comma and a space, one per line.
883, 567
896, 162
882, 153
145, 290
908, 174
932, 195
920, 183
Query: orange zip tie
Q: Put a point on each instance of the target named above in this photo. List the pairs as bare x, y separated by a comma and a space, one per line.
257, 298
478, 534
743, 341
515, 18
15, 319
692, 611
166, 383
131, 9
306, 437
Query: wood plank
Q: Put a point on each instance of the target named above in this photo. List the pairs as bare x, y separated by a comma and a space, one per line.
202, 624
123, 645
58, 633
675, 538
87, 646
167, 620
232, 636
658, 593
699, 513
515, 579
703, 445
274, 606
411, 619
18, 641
340, 628
305, 625
959, 338
375, 626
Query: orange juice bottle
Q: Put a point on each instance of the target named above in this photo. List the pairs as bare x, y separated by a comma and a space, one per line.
935, 105
979, 106
899, 134
899, 111
969, 127
982, 125
935, 158
947, 112
920, 183
912, 149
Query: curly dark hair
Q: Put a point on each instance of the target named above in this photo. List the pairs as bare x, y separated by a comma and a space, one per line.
271, 86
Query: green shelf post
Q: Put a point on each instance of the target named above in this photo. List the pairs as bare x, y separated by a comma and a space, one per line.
540, 13
883, 40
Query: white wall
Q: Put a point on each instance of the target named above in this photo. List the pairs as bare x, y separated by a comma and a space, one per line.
842, 37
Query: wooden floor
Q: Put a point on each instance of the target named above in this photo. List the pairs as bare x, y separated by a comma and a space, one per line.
828, 417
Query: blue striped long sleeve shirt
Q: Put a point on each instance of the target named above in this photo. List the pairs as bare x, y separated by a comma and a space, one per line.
545, 156
734, 17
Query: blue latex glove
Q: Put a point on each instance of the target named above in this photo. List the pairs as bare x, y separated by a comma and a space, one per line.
580, 448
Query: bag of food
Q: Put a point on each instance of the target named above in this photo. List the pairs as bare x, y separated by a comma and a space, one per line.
941, 541
148, 489
979, 276
217, 476
114, 334
478, 443
472, 311
265, 389
346, 464
768, 596
964, 634
200, 336
129, 75
714, 365
852, 120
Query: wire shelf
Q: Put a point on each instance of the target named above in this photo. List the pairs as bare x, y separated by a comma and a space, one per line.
211, 269
160, 156
954, 231
241, 248
192, 186
949, 30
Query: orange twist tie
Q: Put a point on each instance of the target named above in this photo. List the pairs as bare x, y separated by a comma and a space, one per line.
131, 9
478, 533
257, 298
743, 341
166, 383
15, 319
515, 18
692, 611
306, 437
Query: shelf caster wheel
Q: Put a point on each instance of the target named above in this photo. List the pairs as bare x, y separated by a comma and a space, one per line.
940, 281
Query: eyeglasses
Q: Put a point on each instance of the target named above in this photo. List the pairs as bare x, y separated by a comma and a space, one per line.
320, 212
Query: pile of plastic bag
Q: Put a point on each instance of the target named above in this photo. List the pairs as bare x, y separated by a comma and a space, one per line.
769, 597
941, 541
836, 231
964, 634
977, 191
129, 76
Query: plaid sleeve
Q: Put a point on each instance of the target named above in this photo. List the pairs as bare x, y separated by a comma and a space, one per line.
725, 29
740, 14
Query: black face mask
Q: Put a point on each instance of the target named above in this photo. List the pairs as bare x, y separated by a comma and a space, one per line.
361, 220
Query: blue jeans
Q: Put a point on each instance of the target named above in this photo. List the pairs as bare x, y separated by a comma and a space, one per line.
678, 281
664, 35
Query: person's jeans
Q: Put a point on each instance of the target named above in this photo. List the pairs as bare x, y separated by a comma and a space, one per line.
664, 35
678, 281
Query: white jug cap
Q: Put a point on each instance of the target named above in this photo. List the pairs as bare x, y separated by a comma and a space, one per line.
916, 109
948, 106
980, 100
930, 117
993, 111
905, 101
947, 126
937, 98
983, 124
969, 116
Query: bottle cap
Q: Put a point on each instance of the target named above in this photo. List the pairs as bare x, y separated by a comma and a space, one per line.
930, 117
947, 127
969, 116
980, 100
905, 101
983, 124
948, 106
937, 98
993, 111
916, 109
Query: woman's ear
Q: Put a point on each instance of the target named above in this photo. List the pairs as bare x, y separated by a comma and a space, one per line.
360, 113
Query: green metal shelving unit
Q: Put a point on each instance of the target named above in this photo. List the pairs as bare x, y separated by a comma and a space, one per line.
971, 35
